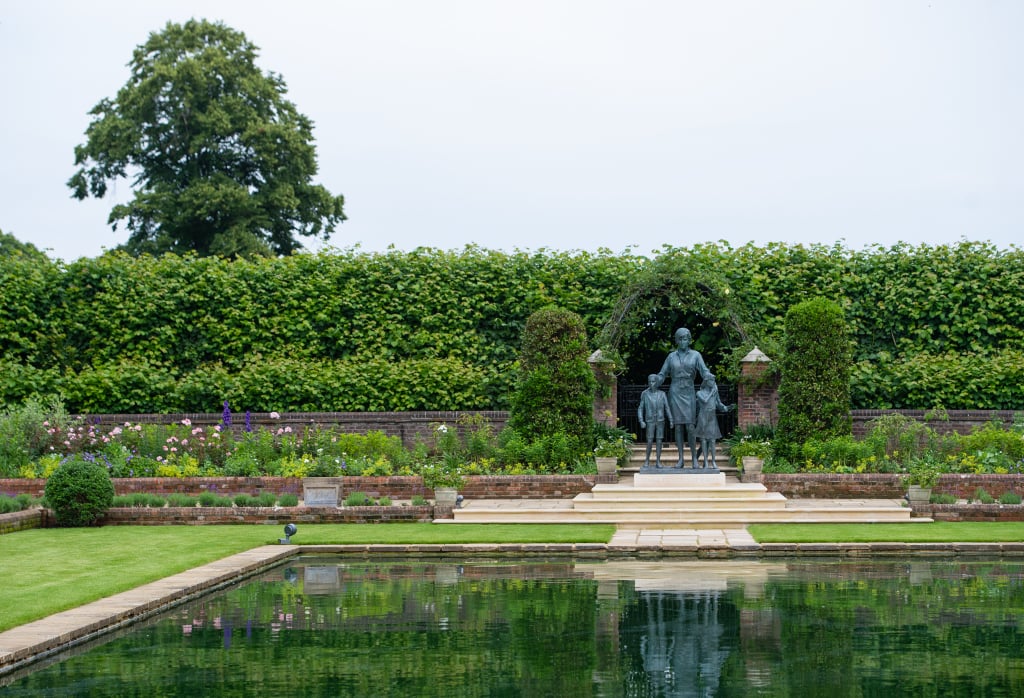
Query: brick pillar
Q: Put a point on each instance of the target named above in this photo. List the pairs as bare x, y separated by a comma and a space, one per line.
758, 395
606, 402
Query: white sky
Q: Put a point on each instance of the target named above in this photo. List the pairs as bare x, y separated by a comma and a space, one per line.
575, 124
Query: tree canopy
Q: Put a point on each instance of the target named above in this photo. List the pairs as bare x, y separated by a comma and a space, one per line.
221, 162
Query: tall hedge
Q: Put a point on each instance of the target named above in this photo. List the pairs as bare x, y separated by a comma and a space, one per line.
814, 393
428, 329
556, 387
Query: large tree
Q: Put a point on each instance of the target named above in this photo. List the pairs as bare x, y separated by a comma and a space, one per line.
221, 162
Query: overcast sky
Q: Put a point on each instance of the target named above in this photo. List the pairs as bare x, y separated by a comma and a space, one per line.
575, 124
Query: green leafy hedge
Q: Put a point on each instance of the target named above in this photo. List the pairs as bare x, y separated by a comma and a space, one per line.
430, 328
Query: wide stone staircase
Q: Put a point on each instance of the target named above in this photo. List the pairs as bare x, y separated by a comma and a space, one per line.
669, 498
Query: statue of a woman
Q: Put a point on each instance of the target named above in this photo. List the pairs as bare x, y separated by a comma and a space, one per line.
682, 366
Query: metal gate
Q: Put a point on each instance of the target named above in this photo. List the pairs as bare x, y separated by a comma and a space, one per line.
629, 402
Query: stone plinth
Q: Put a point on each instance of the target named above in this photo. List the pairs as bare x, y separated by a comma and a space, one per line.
687, 477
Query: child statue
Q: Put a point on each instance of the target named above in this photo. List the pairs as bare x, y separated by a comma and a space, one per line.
653, 412
706, 429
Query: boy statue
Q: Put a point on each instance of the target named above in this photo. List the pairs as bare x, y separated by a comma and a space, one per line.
653, 412
706, 429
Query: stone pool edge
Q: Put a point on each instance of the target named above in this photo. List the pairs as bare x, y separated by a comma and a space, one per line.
39, 639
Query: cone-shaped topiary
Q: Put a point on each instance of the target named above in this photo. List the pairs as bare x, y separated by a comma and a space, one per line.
814, 394
555, 390
79, 492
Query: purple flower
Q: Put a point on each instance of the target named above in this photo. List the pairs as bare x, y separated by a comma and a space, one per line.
248, 421
227, 414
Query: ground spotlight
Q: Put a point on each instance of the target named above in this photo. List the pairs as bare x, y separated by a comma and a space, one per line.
289, 531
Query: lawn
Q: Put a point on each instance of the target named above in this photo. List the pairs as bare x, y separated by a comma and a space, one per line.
54, 569
936, 532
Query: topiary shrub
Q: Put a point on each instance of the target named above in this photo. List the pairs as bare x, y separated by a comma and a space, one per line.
555, 388
79, 492
814, 392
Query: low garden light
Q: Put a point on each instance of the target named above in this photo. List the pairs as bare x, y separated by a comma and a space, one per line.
289, 531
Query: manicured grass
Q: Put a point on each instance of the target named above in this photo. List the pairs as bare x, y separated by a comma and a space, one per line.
51, 570
936, 532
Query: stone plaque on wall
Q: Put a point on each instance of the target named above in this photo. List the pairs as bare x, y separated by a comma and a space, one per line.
320, 491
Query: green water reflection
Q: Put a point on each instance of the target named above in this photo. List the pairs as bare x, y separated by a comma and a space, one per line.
337, 627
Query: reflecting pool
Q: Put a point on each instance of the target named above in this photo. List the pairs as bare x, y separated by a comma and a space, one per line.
339, 627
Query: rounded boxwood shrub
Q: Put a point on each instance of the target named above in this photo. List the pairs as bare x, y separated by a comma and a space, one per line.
79, 492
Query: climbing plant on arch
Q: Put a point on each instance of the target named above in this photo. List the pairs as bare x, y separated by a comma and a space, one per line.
666, 294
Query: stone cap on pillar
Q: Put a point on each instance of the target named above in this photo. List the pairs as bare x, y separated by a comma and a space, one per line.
755, 356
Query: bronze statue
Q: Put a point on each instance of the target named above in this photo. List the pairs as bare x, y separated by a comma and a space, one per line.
653, 412
706, 429
682, 366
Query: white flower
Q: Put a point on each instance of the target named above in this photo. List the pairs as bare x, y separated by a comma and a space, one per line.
443, 429
275, 415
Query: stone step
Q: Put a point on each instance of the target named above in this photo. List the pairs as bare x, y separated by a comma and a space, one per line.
677, 518
720, 501
749, 490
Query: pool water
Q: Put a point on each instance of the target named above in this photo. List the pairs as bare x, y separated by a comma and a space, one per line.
339, 627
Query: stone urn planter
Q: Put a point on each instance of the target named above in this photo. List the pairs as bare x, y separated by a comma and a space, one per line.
606, 464
918, 496
445, 496
752, 465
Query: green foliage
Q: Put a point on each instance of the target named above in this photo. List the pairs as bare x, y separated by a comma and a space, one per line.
222, 162
212, 499
27, 431
1009, 498
288, 499
418, 500
442, 474
924, 471
358, 499
79, 492
617, 448
814, 394
10, 505
555, 388
177, 499
968, 380
754, 441
983, 497
441, 330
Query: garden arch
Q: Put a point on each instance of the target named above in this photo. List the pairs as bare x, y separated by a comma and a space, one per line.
667, 295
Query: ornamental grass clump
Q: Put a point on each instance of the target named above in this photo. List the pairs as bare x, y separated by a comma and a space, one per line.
79, 492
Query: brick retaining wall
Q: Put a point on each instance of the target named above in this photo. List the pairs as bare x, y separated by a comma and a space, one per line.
145, 516
960, 421
395, 486
883, 486
21, 521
